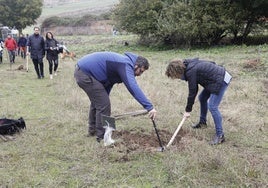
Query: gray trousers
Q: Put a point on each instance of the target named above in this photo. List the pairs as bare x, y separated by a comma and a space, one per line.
99, 98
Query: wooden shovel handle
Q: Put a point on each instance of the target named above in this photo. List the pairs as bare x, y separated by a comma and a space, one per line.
176, 132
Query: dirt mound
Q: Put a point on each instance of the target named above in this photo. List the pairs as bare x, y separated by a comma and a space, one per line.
139, 140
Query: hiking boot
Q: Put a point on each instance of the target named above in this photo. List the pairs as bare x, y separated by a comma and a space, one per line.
199, 125
99, 139
91, 133
217, 140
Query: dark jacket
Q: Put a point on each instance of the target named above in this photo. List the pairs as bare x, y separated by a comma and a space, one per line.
36, 45
110, 68
22, 42
51, 54
206, 73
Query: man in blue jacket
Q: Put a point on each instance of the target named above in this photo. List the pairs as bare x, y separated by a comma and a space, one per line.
213, 78
96, 74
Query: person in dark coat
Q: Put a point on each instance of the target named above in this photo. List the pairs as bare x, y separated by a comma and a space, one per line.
96, 73
36, 47
22, 46
213, 78
51, 46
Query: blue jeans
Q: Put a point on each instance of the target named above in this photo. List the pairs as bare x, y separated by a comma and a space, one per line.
212, 102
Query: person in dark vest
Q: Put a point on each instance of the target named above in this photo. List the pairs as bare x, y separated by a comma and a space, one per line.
36, 47
52, 49
213, 78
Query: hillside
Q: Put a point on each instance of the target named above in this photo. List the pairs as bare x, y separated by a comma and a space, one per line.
75, 7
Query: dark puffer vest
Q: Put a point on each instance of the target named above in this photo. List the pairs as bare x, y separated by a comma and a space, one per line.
206, 73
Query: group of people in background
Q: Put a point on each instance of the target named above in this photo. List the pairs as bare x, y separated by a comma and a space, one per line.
13, 47
37, 47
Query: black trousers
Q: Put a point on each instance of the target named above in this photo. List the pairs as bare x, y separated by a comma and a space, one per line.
39, 67
51, 62
99, 98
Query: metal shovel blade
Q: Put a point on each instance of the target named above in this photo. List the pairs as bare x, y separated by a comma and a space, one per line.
108, 121
108, 124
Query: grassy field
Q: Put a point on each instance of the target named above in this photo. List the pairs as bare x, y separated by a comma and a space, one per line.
54, 151
91, 6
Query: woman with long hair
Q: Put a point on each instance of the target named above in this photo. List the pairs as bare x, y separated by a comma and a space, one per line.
51, 46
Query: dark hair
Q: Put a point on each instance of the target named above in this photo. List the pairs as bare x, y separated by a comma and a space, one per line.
142, 62
37, 28
50, 34
175, 69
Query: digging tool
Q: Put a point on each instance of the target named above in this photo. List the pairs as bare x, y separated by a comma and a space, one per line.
135, 113
176, 132
192, 123
158, 137
27, 63
108, 123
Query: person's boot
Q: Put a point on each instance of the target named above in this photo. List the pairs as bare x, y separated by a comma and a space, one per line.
91, 132
98, 139
200, 125
217, 140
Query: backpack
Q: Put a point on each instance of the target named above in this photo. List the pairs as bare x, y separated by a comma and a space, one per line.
11, 126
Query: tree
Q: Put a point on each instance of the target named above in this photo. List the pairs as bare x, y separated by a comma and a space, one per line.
20, 13
247, 16
190, 22
194, 22
138, 16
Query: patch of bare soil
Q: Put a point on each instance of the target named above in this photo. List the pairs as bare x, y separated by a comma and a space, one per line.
252, 63
139, 140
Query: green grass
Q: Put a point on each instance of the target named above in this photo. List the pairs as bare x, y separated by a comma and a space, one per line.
54, 152
94, 6
73, 9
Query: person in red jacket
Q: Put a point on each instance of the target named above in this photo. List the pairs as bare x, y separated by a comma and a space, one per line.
11, 46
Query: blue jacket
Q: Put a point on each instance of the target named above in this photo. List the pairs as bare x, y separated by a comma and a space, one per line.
110, 68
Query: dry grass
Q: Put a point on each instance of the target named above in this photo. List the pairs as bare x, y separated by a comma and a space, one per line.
54, 151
